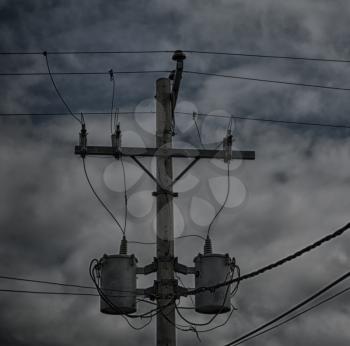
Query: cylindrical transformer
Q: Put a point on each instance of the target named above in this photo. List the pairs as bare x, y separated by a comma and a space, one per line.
210, 270
118, 284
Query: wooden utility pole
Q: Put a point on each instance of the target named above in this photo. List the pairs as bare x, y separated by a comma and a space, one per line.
166, 288
166, 335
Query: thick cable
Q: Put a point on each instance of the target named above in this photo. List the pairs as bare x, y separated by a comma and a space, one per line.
288, 312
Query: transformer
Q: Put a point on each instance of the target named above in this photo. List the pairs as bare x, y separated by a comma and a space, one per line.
118, 284
212, 269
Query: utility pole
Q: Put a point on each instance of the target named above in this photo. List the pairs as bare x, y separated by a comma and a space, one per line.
166, 335
165, 289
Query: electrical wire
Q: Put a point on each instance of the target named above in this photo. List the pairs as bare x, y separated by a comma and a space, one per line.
291, 310
197, 129
224, 202
81, 73
273, 81
312, 307
125, 195
57, 91
237, 117
280, 262
49, 292
100, 200
190, 51
255, 273
113, 96
55, 283
210, 74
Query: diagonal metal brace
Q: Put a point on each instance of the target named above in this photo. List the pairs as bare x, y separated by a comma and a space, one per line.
163, 190
193, 162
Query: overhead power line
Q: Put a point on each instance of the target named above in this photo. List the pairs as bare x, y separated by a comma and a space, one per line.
100, 199
93, 73
237, 117
288, 312
81, 73
243, 277
312, 307
278, 263
273, 81
49, 292
58, 92
191, 51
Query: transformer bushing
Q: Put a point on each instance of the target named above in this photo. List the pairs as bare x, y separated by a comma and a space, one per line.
210, 270
118, 284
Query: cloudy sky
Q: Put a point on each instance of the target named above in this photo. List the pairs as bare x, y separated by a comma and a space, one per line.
295, 192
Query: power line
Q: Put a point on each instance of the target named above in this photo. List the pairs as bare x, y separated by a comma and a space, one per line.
237, 117
191, 51
286, 122
184, 71
278, 263
312, 307
100, 200
224, 202
266, 80
81, 73
288, 312
58, 92
49, 292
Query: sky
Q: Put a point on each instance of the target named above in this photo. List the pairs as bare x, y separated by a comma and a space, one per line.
293, 193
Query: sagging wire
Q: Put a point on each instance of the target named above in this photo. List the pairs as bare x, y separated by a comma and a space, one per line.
45, 54
125, 195
100, 199
114, 108
296, 307
111, 77
227, 147
224, 202
194, 117
312, 307
279, 262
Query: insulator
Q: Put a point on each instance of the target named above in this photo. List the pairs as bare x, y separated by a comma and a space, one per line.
83, 140
227, 146
117, 141
207, 246
123, 250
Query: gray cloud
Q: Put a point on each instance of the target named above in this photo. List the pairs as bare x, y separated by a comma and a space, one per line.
297, 189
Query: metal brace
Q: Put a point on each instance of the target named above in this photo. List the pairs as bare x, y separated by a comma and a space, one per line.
148, 269
183, 269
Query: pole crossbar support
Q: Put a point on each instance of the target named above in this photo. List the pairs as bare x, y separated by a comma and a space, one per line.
166, 152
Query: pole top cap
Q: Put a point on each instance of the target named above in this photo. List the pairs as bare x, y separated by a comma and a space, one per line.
179, 55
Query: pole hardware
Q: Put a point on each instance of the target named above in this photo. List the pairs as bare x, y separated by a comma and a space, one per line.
83, 140
116, 142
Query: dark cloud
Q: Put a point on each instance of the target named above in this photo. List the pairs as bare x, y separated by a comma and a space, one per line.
297, 188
